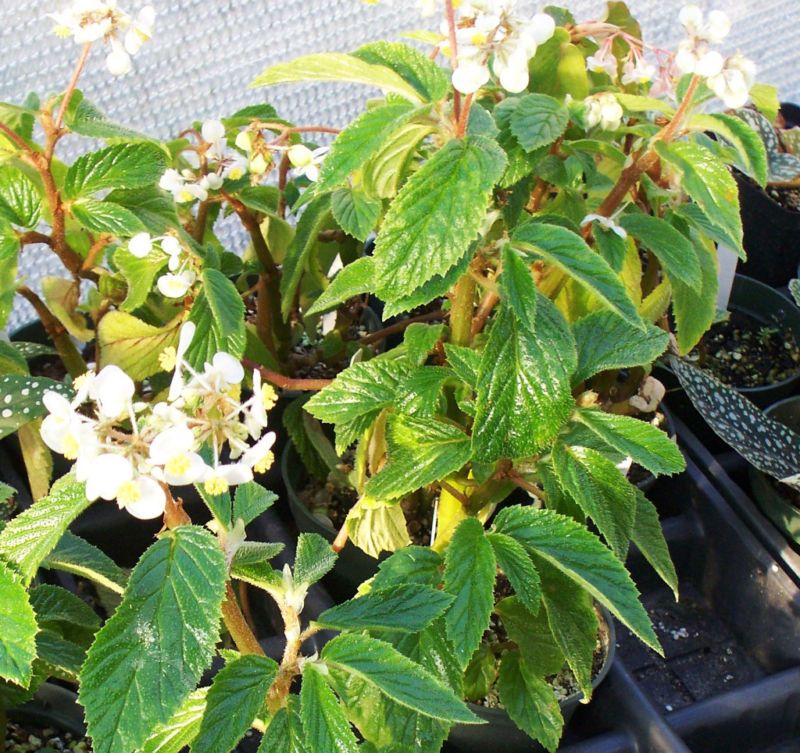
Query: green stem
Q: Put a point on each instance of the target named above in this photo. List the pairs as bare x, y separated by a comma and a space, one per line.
237, 626
462, 310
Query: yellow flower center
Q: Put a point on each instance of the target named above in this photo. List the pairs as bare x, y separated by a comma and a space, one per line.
168, 358
478, 38
235, 173
268, 396
263, 465
178, 465
216, 485
128, 493
185, 196
71, 447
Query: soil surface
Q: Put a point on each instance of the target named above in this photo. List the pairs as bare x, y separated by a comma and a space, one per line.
31, 737
743, 352
702, 656
788, 198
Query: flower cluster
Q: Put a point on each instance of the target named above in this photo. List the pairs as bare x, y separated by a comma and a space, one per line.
181, 276
132, 451
89, 21
603, 110
729, 78
490, 30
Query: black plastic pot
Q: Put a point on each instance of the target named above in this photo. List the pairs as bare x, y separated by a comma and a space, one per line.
52, 706
783, 514
501, 735
766, 306
353, 566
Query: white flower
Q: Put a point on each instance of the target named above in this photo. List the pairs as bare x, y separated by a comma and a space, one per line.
470, 76
603, 110
176, 285
170, 245
182, 189
235, 166
112, 389
141, 30
140, 245
305, 161
606, 222
118, 61
603, 61
637, 72
142, 497
174, 450
105, 475
211, 182
62, 430
213, 132
732, 84
260, 451
713, 31
224, 371
217, 480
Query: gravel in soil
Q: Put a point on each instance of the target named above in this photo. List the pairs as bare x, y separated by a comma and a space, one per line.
788, 198
21, 738
743, 352
702, 657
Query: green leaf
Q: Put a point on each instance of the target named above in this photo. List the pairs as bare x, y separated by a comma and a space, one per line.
671, 247
118, 166
573, 623
305, 238
765, 98
285, 732
61, 658
437, 287
708, 182
611, 247
469, 575
20, 202
355, 279
74, 555
421, 451
436, 215
87, 120
466, 363
414, 66
134, 345
62, 297
695, 312
568, 252
336, 66
420, 394
53, 604
405, 608
518, 415
139, 274
360, 140
649, 538
387, 170
538, 120
605, 341
533, 636
21, 400
420, 339
314, 558
251, 499
182, 728
413, 564
34, 533
356, 213
375, 526
363, 389
601, 491
638, 103
324, 723
752, 156
225, 303
234, 699
580, 555
154, 207
165, 630
518, 567
9, 256
519, 289
208, 339
646, 444
529, 701
106, 217
396, 676
17, 630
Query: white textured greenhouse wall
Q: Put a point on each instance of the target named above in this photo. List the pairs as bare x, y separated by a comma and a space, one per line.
205, 52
